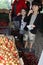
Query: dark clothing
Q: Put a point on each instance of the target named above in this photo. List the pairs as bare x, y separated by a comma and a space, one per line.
41, 28
15, 8
28, 6
37, 23
39, 1
41, 7
19, 18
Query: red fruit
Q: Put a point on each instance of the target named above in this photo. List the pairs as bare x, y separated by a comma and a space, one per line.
1, 57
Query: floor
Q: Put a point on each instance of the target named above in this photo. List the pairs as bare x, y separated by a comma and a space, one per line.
38, 46
29, 58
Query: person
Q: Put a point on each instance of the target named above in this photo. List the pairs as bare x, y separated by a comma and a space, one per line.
20, 19
10, 15
39, 1
28, 4
17, 5
41, 10
34, 22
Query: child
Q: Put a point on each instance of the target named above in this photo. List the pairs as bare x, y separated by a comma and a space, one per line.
22, 23
34, 22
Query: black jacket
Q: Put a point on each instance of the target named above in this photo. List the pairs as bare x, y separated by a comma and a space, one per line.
37, 23
18, 19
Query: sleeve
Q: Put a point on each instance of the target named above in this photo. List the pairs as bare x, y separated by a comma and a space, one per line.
20, 5
27, 22
38, 23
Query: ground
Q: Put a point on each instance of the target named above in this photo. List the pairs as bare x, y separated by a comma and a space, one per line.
38, 45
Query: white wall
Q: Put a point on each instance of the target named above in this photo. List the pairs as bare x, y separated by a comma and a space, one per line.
41, 59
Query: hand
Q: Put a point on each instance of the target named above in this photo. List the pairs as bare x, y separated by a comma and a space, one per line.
31, 11
30, 27
18, 14
33, 26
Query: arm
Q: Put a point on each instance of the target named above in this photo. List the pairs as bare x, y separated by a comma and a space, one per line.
30, 12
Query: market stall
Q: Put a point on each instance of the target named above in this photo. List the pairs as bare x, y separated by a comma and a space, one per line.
4, 21
8, 51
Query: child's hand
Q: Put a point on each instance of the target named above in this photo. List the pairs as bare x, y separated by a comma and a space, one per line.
30, 27
31, 11
33, 26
